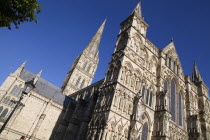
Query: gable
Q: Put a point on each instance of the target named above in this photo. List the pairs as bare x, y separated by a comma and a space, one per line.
171, 53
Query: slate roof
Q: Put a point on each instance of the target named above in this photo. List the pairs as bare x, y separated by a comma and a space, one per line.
47, 89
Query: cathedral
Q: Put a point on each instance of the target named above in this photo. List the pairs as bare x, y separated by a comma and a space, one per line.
144, 96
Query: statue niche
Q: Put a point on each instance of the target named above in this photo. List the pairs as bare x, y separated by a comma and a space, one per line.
136, 44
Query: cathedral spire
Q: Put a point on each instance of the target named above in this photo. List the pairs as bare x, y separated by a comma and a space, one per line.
92, 47
38, 76
18, 71
196, 77
83, 69
138, 11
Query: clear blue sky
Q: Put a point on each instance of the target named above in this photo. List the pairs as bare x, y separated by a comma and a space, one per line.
66, 26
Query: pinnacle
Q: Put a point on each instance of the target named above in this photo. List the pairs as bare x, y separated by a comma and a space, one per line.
138, 11
196, 77
92, 47
40, 72
24, 64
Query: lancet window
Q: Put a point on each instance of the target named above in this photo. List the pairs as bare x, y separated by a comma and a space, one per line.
4, 113
147, 96
180, 109
16, 90
82, 84
145, 132
142, 92
173, 100
172, 65
84, 65
78, 80
88, 69
1, 108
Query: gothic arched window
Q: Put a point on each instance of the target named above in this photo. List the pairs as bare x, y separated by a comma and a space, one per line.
174, 68
6, 100
11, 102
82, 84
173, 100
88, 69
1, 108
14, 89
142, 92
18, 91
144, 132
169, 64
150, 101
180, 109
147, 97
84, 65
4, 113
78, 80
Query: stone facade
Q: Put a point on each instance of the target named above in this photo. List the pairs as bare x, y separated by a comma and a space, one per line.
145, 95
39, 111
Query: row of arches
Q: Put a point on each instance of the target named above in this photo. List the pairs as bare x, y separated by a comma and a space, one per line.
123, 103
120, 132
131, 77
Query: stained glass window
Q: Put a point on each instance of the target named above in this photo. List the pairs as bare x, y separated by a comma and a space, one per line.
144, 132
173, 98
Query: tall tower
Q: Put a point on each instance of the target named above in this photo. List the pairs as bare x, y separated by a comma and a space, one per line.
120, 111
84, 67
